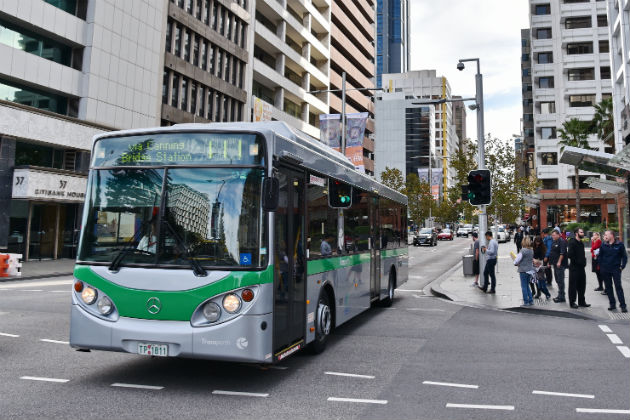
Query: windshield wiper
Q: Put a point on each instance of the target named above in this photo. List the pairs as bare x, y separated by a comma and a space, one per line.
196, 266
115, 265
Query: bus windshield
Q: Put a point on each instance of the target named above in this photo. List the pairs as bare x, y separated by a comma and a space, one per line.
167, 216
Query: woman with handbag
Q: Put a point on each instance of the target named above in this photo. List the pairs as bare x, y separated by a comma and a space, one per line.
524, 262
596, 243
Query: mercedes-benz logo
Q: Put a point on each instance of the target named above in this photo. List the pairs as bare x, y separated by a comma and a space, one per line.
154, 305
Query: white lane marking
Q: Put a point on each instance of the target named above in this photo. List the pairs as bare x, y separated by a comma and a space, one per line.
30, 290
120, 385
451, 384
357, 400
411, 291
38, 378
625, 351
350, 375
239, 394
563, 394
37, 284
61, 291
9, 335
614, 338
48, 340
482, 407
605, 328
426, 309
601, 410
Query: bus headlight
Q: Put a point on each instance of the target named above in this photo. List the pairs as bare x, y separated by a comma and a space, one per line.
231, 303
89, 295
105, 305
211, 311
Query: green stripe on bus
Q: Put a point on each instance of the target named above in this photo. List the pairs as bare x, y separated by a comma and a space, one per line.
334, 263
394, 252
176, 305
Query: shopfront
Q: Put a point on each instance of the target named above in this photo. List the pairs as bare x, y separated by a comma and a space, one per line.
45, 215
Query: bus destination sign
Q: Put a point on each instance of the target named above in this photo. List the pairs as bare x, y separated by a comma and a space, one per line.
179, 149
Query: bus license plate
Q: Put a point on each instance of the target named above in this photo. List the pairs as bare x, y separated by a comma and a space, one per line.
153, 349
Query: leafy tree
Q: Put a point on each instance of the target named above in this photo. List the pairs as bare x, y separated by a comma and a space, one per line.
393, 178
419, 198
602, 123
575, 133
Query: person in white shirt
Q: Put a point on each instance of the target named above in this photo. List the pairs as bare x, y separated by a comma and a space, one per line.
491, 252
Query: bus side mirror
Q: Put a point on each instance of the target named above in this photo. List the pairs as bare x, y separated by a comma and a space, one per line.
271, 193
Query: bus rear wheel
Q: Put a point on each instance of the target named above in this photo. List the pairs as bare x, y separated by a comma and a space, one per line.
323, 324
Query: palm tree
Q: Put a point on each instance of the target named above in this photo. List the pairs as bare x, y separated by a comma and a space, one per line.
575, 133
602, 123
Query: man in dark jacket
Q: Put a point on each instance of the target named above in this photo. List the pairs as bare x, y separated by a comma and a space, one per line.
558, 260
612, 260
518, 239
577, 274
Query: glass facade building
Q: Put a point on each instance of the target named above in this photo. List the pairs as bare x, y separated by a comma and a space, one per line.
392, 37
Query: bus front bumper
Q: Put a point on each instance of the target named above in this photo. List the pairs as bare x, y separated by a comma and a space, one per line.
240, 339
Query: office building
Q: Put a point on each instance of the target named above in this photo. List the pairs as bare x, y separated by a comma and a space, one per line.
570, 72
526, 154
459, 119
392, 37
619, 31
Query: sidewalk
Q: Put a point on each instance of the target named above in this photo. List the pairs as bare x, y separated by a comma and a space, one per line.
46, 268
458, 287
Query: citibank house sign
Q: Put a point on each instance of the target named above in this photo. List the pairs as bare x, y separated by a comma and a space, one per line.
39, 184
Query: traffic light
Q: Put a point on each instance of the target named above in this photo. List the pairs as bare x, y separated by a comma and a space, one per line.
479, 187
339, 194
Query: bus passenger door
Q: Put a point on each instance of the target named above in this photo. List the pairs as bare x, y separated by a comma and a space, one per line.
375, 250
289, 262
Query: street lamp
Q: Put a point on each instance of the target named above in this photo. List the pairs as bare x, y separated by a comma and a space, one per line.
483, 217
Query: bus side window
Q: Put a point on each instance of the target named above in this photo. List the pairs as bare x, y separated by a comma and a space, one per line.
322, 224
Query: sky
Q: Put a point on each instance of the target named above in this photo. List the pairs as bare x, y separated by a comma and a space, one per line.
442, 32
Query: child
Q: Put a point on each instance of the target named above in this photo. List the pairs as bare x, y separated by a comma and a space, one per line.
539, 275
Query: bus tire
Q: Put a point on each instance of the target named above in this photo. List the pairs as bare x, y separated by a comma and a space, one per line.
323, 324
391, 286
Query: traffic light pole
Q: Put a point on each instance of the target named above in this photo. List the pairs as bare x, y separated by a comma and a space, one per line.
483, 217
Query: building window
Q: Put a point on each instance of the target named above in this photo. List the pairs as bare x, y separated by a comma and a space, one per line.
525, 57
606, 96
578, 22
169, 35
581, 74
580, 48
175, 92
602, 21
41, 46
576, 1
581, 100
187, 35
548, 107
525, 72
39, 99
603, 47
542, 9
545, 82
545, 58
292, 108
204, 54
604, 73
543, 33
165, 85
550, 184
77, 8
547, 133
184, 103
178, 40
550, 158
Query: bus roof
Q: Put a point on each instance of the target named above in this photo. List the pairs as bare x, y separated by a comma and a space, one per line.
291, 145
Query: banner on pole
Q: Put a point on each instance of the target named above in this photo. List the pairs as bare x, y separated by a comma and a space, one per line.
262, 110
330, 130
436, 180
355, 130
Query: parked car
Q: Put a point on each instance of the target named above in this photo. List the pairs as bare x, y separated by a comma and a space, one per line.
502, 235
426, 236
464, 230
446, 234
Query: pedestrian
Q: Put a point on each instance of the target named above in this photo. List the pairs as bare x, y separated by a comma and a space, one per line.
518, 239
547, 240
491, 252
475, 237
596, 243
524, 262
558, 260
540, 250
577, 273
612, 260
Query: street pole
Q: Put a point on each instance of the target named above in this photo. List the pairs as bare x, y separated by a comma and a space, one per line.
343, 113
430, 189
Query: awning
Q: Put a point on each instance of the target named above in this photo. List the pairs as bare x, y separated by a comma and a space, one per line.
622, 159
612, 187
593, 161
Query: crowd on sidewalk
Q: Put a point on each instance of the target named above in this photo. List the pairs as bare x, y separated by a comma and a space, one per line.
547, 256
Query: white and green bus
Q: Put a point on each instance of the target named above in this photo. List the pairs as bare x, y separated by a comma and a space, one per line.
233, 241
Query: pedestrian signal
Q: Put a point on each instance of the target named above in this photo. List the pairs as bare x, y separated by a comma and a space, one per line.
479, 189
339, 194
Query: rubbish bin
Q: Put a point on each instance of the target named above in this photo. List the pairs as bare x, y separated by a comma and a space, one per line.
467, 261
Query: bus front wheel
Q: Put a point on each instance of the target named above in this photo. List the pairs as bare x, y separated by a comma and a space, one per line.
323, 324
391, 285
